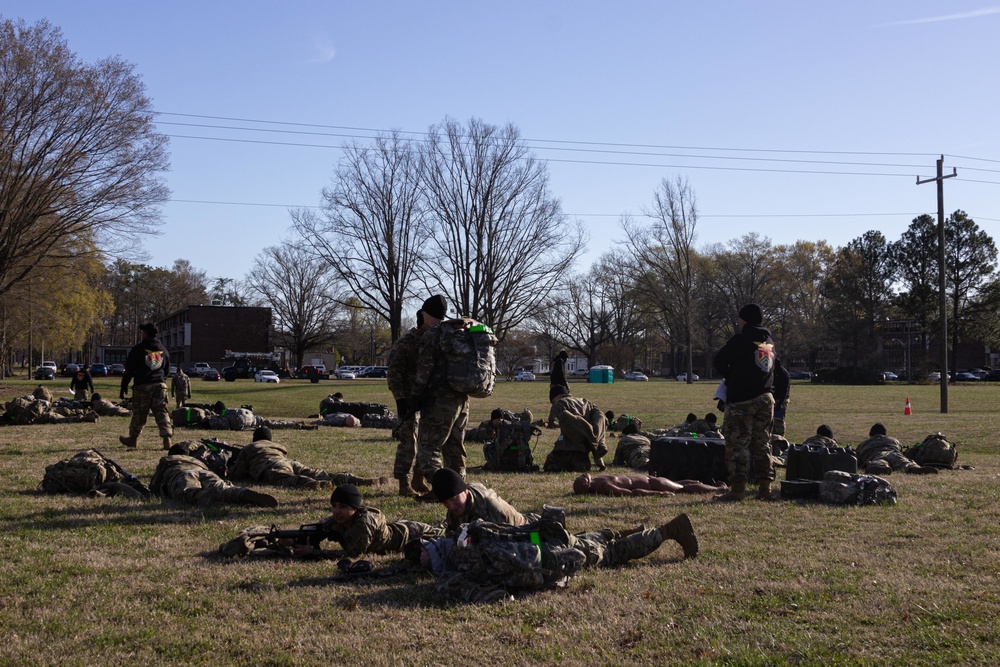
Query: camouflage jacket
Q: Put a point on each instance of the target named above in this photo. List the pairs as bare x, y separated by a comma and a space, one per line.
821, 440
582, 424
486, 505
180, 386
106, 408
876, 447
403, 363
368, 532
173, 465
254, 460
632, 449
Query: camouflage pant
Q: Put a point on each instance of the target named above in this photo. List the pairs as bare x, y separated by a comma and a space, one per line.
81, 394
199, 487
747, 430
603, 550
778, 425
294, 474
895, 459
441, 436
406, 449
146, 397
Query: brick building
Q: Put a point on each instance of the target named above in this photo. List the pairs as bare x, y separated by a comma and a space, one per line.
204, 333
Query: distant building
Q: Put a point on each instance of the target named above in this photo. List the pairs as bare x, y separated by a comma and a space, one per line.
205, 333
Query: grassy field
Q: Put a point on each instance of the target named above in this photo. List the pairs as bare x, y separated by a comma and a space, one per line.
110, 581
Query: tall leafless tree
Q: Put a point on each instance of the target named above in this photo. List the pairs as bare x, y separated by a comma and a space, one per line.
501, 244
298, 287
80, 158
372, 228
666, 249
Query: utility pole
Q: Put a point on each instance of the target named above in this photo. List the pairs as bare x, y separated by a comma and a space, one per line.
942, 297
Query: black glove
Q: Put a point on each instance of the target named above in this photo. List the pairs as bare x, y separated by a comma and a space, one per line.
121, 395
402, 408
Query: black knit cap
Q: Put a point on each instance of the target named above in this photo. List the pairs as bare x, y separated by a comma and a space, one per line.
447, 484
877, 429
824, 431
557, 390
496, 414
752, 314
347, 494
691, 417
261, 433
711, 418
436, 307
149, 328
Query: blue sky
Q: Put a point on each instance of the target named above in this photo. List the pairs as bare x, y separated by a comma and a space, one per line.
798, 120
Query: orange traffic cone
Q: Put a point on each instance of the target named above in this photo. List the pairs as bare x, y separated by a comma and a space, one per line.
907, 410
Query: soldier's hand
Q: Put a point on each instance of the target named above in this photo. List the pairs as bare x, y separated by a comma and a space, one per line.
402, 408
121, 395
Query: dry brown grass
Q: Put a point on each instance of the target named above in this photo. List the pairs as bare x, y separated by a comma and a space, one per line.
115, 582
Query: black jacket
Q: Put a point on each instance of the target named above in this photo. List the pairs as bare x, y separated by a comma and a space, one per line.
747, 363
558, 374
81, 380
147, 363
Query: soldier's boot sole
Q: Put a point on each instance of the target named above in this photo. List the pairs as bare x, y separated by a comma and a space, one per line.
251, 497
127, 441
681, 531
404, 488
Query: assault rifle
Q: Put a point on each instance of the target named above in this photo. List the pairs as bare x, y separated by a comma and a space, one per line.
284, 541
218, 446
129, 478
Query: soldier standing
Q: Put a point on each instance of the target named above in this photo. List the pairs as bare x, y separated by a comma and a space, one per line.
146, 363
746, 362
444, 412
180, 387
82, 384
400, 374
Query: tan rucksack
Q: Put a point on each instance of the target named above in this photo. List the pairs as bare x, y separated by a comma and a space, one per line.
82, 472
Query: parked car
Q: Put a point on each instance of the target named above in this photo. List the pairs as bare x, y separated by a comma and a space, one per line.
345, 374
50, 364
524, 376
69, 370
636, 376
800, 375
45, 373
578, 371
98, 370
374, 372
967, 377
311, 373
684, 376
199, 368
889, 375
266, 376
172, 370
993, 375
212, 375
934, 376
116, 369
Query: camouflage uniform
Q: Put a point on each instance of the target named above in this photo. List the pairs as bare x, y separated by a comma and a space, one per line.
369, 533
146, 398
233, 419
180, 388
496, 560
266, 461
746, 428
189, 480
583, 427
82, 385
188, 416
882, 454
25, 410
633, 451
106, 408
934, 451
401, 371
820, 440
444, 412
484, 504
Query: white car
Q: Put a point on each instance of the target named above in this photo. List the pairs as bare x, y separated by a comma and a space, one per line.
346, 373
524, 376
636, 376
266, 376
684, 376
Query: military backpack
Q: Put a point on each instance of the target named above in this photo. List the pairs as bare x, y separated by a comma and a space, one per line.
468, 348
935, 451
510, 451
82, 472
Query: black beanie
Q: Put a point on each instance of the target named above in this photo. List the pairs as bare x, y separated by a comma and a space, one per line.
752, 314
877, 429
691, 417
557, 390
496, 414
824, 431
436, 306
563, 355
149, 328
347, 494
261, 433
711, 418
447, 484
95, 397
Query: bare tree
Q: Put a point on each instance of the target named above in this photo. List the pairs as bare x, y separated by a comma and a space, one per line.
666, 249
502, 244
297, 287
79, 155
578, 316
372, 228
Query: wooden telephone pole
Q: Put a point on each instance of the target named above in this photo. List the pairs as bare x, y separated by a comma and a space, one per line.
942, 296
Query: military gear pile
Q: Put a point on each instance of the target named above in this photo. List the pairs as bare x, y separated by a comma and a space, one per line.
372, 420
216, 458
811, 461
23, 411
468, 348
842, 488
510, 451
935, 451
86, 471
188, 416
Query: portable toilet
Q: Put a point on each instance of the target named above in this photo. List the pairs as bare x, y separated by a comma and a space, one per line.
601, 375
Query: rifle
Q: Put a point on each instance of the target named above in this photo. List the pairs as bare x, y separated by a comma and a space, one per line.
309, 533
129, 478
218, 446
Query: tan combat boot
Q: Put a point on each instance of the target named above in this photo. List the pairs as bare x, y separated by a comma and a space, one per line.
418, 482
680, 531
251, 497
127, 441
166, 442
764, 490
404, 487
738, 491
